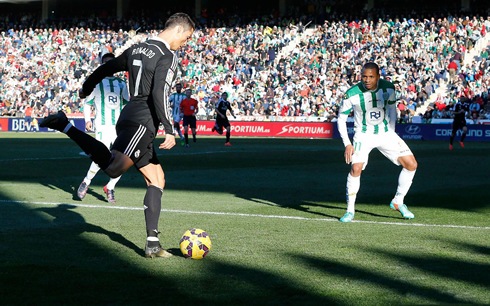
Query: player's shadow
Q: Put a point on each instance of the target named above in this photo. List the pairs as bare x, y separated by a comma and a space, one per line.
281, 200
176, 252
446, 268
91, 191
73, 190
65, 217
394, 284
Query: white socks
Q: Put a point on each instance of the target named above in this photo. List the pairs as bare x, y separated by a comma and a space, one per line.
94, 168
112, 183
353, 184
404, 182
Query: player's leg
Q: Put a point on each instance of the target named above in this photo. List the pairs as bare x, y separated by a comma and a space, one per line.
186, 130
155, 179
362, 146
177, 129
95, 149
228, 132
463, 136
193, 125
396, 150
453, 134
186, 135
352, 188
219, 125
92, 171
108, 137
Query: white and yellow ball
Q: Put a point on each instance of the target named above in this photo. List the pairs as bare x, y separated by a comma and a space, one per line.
195, 243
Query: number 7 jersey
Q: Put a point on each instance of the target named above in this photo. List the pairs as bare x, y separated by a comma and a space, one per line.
151, 66
374, 111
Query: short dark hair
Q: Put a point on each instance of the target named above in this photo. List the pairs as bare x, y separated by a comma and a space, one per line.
107, 57
371, 65
181, 19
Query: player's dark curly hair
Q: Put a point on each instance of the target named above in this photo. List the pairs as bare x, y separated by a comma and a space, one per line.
180, 19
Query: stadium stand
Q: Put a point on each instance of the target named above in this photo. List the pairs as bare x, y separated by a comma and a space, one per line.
271, 72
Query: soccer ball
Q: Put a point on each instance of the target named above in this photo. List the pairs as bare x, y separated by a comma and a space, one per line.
195, 243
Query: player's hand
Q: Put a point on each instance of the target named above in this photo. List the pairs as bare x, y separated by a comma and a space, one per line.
81, 94
349, 151
88, 126
168, 143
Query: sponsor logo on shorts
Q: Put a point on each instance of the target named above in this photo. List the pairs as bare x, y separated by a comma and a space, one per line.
137, 154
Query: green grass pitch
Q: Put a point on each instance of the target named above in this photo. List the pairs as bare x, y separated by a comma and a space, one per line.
271, 207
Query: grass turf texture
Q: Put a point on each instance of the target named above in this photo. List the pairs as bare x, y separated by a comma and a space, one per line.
271, 207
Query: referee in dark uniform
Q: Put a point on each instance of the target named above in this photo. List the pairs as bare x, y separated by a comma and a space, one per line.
152, 69
459, 123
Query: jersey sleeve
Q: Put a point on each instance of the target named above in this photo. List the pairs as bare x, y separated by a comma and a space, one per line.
391, 108
125, 93
163, 78
105, 70
344, 112
87, 103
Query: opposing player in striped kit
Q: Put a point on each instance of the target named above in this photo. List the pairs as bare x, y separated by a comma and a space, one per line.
108, 99
175, 100
152, 69
373, 101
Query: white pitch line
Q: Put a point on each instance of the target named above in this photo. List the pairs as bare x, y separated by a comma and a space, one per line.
174, 153
82, 156
249, 215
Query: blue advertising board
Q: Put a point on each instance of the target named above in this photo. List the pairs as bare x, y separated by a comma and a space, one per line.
476, 132
20, 125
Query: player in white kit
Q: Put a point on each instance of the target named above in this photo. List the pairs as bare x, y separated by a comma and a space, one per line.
108, 99
373, 101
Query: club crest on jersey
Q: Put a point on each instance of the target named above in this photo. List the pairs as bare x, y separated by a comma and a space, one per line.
170, 76
386, 95
345, 97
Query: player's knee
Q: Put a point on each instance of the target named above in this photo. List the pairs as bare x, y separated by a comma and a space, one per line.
411, 165
356, 170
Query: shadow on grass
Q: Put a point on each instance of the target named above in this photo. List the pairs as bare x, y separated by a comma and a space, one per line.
46, 257
400, 287
459, 270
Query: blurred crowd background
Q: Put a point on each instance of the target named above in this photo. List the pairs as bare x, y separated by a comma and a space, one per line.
293, 67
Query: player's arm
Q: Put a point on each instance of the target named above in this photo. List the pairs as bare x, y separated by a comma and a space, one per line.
342, 126
391, 109
197, 108
163, 78
231, 111
105, 70
125, 94
87, 111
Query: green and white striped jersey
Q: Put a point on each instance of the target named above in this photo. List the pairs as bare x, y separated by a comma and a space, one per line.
374, 111
175, 100
108, 99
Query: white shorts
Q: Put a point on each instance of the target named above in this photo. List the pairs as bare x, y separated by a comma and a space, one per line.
389, 144
106, 135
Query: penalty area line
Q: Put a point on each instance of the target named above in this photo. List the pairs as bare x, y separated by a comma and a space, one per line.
248, 215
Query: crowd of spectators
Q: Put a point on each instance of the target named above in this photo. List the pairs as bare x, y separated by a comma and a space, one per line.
269, 70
